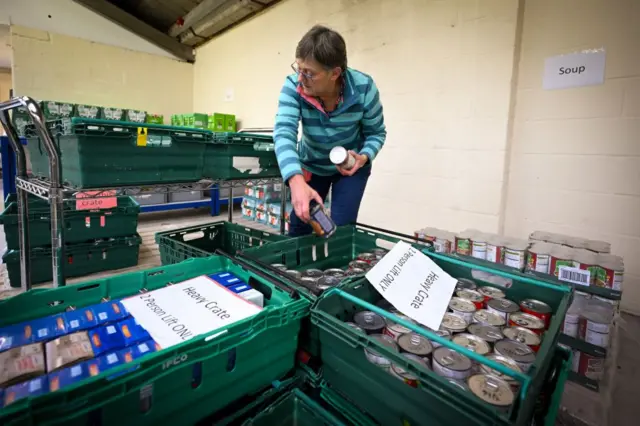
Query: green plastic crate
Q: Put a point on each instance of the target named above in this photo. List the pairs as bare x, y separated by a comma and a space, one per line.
294, 408
437, 402
81, 259
56, 109
183, 383
103, 153
203, 240
110, 113
79, 225
88, 111
240, 156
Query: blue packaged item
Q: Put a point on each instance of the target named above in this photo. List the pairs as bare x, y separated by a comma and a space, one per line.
33, 387
103, 363
48, 328
15, 335
132, 332
67, 376
227, 279
239, 288
144, 348
106, 338
111, 311
80, 319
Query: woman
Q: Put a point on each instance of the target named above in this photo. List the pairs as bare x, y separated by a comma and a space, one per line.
338, 106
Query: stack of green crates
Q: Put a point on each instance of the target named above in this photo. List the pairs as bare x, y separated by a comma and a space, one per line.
95, 240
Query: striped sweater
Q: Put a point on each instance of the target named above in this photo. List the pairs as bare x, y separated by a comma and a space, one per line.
356, 124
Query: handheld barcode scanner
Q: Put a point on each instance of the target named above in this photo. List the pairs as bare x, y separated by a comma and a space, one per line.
320, 221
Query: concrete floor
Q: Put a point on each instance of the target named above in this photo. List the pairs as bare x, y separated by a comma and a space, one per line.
624, 411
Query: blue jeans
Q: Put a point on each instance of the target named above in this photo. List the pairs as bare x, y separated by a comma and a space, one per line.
346, 195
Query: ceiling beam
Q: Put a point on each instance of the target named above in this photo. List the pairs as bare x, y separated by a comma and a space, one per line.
195, 15
140, 28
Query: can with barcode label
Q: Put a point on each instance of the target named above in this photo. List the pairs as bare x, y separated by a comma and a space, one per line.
463, 308
495, 249
587, 261
539, 257
560, 257
479, 246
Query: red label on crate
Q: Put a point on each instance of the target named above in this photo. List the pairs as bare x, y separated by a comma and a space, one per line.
107, 200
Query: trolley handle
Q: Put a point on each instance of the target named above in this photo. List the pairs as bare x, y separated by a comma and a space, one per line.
413, 238
283, 276
292, 292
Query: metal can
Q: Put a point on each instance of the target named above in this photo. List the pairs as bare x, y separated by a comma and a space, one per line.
483, 316
610, 274
371, 322
354, 271
495, 249
479, 246
463, 241
295, 274
571, 322
396, 330
465, 284
359, 264
279, 266
539, 257
472, 342
591, 366
487, 333
367, 257
514, 254
522, 354
472, 296
523, 335
594, 326
587, 261
537, 308
374, 357
449, 363
445, 334
507, 362
334, 272
560, 256
406, 376
521, 319
453, 323
491, 293
310, 281
313, 273
320, 221
356, 327
326, 282
379, 253
503, 307
463, 308
415, 344
492, 390
444, 242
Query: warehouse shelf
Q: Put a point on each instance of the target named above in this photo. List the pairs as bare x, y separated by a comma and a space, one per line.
56, 192
583, 346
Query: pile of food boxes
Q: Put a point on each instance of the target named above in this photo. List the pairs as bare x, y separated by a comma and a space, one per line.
216, 122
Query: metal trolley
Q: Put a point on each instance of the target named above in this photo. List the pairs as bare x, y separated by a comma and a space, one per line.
56, 192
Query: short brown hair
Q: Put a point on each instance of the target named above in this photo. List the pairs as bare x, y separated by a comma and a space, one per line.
325, 46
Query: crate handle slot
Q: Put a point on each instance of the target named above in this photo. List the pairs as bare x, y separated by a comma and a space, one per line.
195, 236
412, 239
524, 379
88, 287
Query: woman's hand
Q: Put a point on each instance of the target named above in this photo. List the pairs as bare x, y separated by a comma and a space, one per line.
361, 160
301, 196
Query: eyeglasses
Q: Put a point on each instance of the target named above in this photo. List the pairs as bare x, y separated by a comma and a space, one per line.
296, 69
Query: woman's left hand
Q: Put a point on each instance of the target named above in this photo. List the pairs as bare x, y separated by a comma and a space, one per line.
361, 160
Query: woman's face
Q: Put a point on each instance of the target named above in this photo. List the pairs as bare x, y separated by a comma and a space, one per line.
315, 79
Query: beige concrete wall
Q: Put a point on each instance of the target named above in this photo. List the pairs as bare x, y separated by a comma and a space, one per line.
57, 67
444, 71
5, 84
575, 163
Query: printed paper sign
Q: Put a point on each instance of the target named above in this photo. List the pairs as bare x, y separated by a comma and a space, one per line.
107, 200
574, 70
413, 284
183, 311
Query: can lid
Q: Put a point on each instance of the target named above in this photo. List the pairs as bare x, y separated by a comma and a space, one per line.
472, 342
522, 335
466, 283
536, 306
401, 371
491, 389
527, 320
315, 273
386, 341
488, 317
491, 292
503, 305
293, 273
326, 282
500, 359
398, 327
337, 155
471, 295
488, 333
451, 359
453, 322
415, 344
461, 305
517, 351
369, 320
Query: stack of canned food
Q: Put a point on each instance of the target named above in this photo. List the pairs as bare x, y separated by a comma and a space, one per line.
482, 320
325, 279
586, 262
590, 319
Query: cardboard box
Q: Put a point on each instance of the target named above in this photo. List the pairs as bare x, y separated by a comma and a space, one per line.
155, 119
230, 123
217, 122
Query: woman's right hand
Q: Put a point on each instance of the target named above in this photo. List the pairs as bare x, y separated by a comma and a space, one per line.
301, 196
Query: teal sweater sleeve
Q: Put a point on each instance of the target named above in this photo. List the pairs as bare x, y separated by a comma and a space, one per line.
285, 133
373, 127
